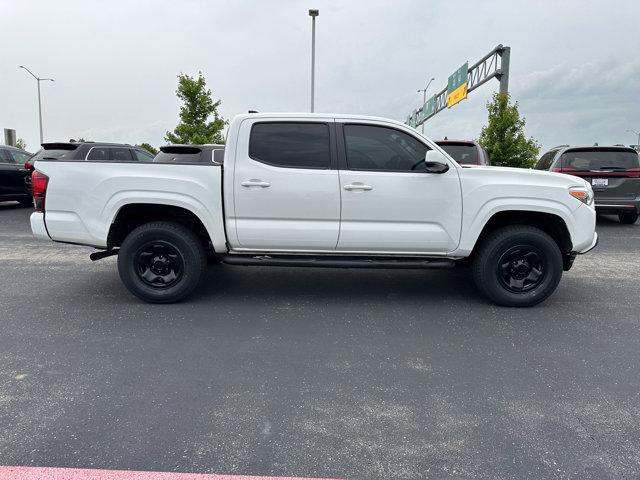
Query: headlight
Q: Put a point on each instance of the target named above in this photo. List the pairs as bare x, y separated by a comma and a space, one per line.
584, 194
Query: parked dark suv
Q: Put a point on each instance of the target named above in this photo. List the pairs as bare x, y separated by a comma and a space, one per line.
465, 152
14, 176
94, 151
614, 174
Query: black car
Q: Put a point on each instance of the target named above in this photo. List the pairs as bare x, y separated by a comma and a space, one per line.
14, 176
210, 153
94, 151
613, 172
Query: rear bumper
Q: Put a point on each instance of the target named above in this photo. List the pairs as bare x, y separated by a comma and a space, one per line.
617, 205
38, 226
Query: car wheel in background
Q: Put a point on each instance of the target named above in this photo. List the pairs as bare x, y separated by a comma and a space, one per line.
161, 262
517, 266
628, 218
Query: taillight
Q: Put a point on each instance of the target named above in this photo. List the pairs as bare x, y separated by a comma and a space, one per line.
39, 182
563, 170
27, 165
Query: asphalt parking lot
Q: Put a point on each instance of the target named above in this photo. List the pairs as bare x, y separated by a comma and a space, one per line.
319, 373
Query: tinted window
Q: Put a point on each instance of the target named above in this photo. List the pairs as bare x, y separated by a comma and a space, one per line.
546, 160
20, 157
100, 154
295, 145
121, 155
179, 154
382, 148
142, 156
463, 153
5, 156
54, 154
581, 160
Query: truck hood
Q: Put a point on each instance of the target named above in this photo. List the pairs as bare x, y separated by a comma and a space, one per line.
525, 176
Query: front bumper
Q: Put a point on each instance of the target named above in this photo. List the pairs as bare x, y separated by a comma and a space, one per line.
593, 245
38, 226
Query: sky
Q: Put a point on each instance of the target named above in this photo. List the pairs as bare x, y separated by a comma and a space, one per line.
575, 65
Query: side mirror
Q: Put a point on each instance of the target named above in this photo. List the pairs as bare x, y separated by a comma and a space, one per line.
435, 162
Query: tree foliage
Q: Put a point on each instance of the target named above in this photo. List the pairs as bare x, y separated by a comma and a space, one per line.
503, 137
197, 107
20, 143
148, 148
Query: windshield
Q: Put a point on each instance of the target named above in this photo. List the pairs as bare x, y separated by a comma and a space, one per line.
462, 153
600, 160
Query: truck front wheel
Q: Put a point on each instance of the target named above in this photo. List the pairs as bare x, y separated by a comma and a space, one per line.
161, 262
517, 266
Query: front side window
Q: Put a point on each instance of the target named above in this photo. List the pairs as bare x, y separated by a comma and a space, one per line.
291, 144
381, 148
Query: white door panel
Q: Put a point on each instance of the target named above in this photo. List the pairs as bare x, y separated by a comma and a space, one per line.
279, 208
403, 212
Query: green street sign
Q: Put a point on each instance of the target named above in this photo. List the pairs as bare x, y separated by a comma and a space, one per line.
429, 107
457, 85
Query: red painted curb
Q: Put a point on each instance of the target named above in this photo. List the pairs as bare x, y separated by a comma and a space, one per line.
47, 473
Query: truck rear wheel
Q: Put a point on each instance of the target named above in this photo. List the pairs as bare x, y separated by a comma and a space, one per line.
161, 262
517, 266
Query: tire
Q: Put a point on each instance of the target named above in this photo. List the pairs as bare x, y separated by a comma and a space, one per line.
628, 218
161, 262
517, 266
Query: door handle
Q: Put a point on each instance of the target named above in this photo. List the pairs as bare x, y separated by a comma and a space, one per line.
358, 186
255, 183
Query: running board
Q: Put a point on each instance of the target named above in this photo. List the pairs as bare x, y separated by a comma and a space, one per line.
337, 261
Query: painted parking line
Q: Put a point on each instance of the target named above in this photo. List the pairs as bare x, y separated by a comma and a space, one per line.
47, 473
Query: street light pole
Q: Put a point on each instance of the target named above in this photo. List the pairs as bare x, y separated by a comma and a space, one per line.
638, 134
424, 97
38, 80
313, 14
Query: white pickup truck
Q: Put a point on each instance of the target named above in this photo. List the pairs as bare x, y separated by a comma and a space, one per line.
318, 190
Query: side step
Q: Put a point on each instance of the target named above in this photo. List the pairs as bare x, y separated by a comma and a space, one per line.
338, 261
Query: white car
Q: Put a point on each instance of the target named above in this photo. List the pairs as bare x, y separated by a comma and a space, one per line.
319, 190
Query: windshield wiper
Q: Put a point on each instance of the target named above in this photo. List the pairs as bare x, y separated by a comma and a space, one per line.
612, 168
48, 158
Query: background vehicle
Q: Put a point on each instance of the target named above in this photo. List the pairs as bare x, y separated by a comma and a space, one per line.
190, 154
614, 173
14, 177
465, 152
319, 190
92, 151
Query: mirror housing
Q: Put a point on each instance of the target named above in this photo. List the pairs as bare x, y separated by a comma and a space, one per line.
436, 162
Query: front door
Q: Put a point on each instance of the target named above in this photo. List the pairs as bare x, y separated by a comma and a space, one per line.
285, 186
389, 203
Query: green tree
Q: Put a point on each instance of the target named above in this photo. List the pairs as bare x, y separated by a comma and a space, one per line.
197, 107
503, 137
20, 143
148, 148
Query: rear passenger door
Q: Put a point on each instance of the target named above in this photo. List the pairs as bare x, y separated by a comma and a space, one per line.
286, 189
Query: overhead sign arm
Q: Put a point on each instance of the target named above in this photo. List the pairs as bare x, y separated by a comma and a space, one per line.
495, 64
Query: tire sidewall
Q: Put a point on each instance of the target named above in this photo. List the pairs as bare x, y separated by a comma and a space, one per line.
183, 240
486, 269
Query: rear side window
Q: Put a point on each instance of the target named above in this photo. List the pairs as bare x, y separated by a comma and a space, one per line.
546, 160
584, 160
179, 154
463, 153
100, 154
376, 148
121, 155
110, 154
291, 145
5, 156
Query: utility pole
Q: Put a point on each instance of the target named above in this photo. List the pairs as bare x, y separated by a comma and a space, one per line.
313, 14
38, 79
424, 96
638, 134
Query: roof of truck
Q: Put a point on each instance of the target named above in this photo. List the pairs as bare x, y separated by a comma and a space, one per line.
318, 116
